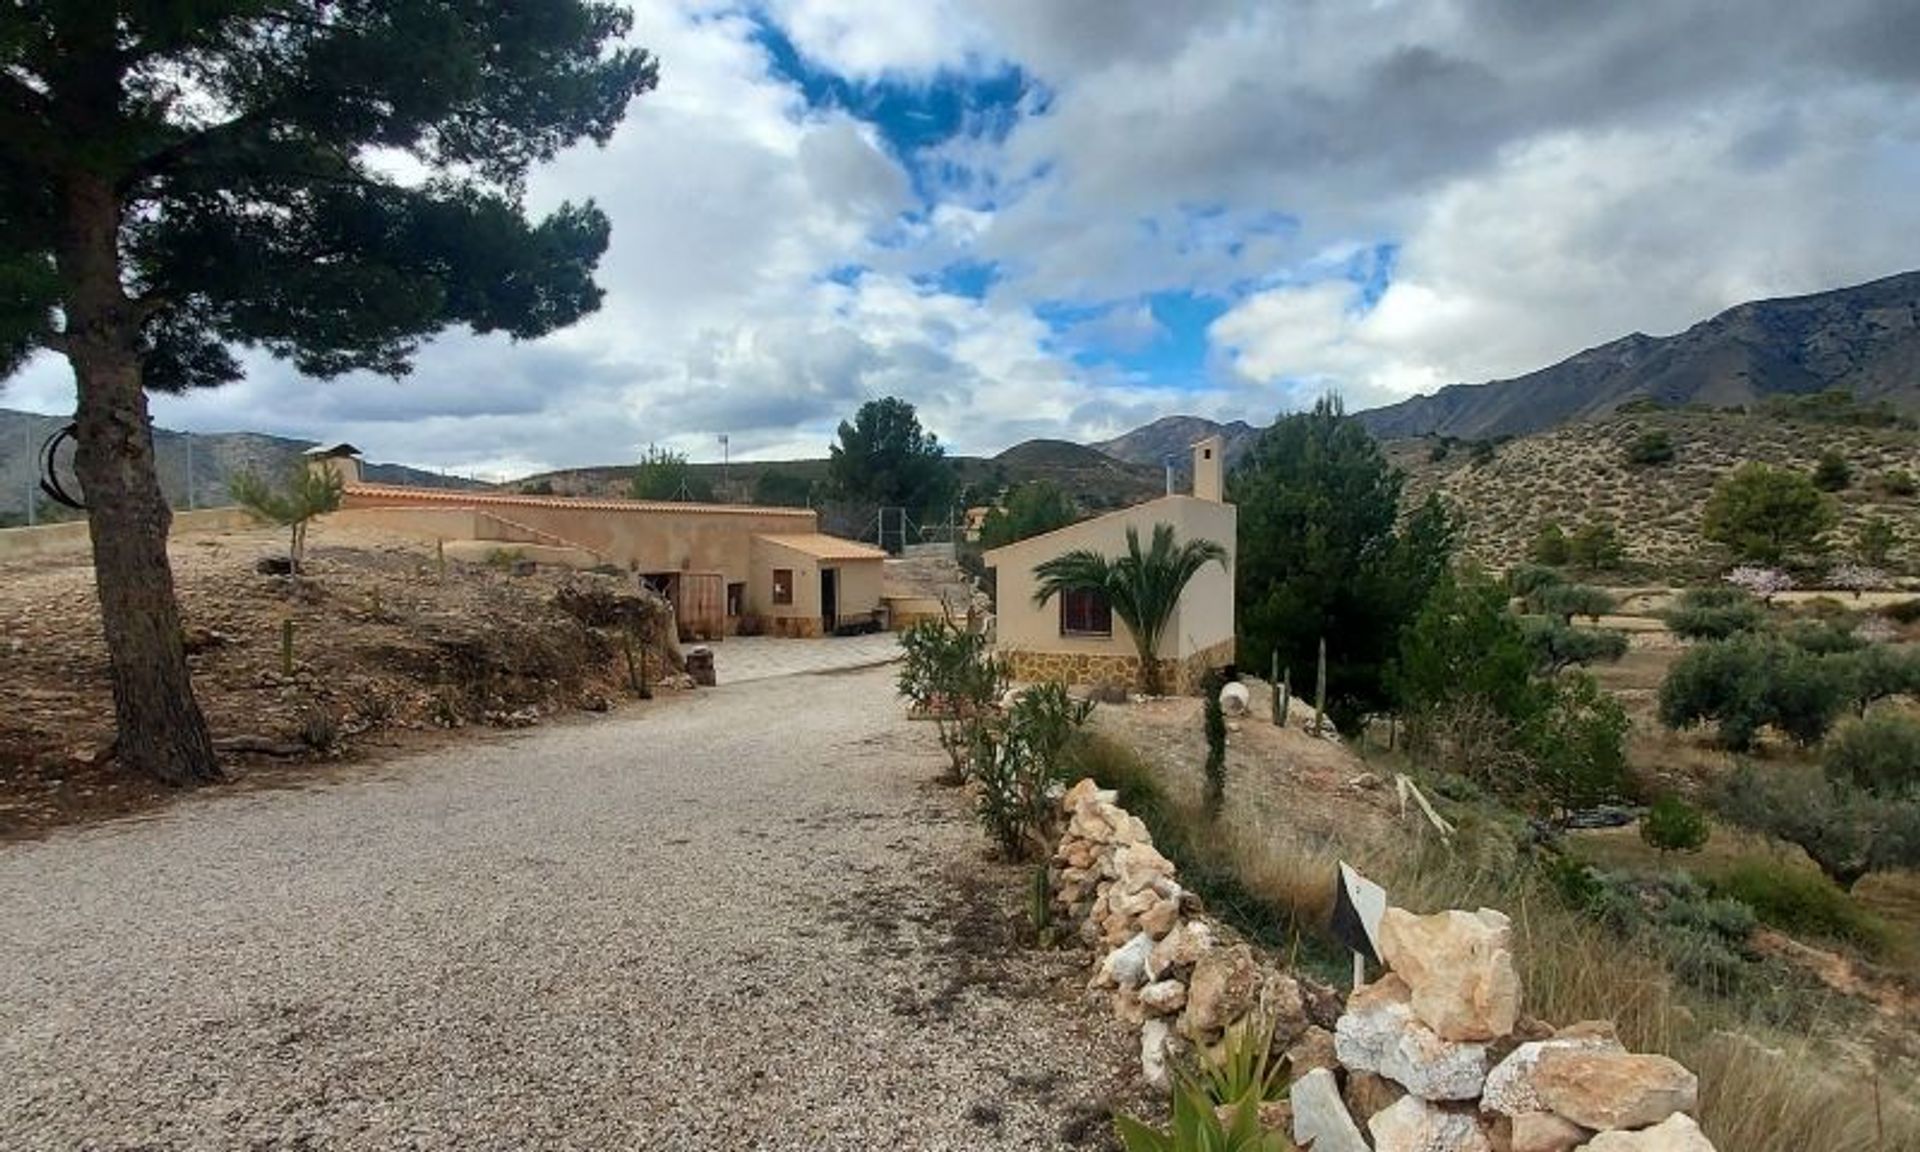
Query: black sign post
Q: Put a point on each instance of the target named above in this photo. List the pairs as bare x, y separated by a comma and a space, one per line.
1358, 904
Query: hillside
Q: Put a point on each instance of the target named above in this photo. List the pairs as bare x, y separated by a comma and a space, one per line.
216, 458
1170, 438
1864, 339
1095, 481
1579, 472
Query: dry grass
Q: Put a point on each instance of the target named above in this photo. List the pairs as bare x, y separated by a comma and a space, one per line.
1763, 1091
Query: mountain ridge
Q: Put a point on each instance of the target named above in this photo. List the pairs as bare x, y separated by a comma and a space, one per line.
1863, 338
216, 458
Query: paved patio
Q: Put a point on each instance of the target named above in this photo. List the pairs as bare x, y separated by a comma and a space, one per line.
739, 659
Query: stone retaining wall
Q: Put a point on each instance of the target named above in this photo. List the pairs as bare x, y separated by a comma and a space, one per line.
1437, 1055
1181, 677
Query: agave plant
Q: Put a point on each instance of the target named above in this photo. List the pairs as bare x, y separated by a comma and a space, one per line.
1197, 1127
1244, 1068
1143, 588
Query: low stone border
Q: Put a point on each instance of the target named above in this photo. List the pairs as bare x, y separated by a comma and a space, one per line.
1435, 1056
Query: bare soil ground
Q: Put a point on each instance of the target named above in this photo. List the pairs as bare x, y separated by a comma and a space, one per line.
1279, 776
389, 649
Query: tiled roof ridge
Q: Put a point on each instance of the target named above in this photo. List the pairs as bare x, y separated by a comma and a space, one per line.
458, 496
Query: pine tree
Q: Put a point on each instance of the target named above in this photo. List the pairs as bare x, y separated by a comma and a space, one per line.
177, 179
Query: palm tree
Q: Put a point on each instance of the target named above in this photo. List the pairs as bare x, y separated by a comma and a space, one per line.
1141, 588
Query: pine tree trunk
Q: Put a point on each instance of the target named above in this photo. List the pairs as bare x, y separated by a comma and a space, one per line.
162, 731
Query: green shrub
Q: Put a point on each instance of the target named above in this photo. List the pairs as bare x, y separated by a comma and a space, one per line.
1017, 762
1847, 831
1880, 754
1715, 613
1673, 825
1650, 449
1700, 938
1596, 547
1578, 745
1214, 720
1898, 482
1874, 541
1480, 452
1744, 684
1903, 611
1526, 580
1569, 600
1557, 645
1765, 514
1549, 546
1801, 903
1822, 637
1832, 473
1874, 673
952, 676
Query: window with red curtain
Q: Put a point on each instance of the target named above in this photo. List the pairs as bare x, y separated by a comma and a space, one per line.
1085, 612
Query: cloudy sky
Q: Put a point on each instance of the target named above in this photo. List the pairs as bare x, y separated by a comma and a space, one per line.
1067, 217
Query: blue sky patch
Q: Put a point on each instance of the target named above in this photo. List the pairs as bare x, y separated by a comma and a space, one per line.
912, 117
969, 278
1175, 352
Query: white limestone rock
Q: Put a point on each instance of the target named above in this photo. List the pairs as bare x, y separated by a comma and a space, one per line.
1320, 1118
1378, 1033
1413, 1125
1126, 966
1460, 968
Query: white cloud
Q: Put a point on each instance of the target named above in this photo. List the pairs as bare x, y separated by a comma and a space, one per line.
1574, 240
1553, 176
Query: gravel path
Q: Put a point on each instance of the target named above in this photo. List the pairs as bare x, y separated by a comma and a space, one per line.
739, 921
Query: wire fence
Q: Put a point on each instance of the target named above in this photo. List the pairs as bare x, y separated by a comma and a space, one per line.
190, 475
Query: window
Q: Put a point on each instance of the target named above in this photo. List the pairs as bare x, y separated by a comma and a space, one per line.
783, 585
1085, 612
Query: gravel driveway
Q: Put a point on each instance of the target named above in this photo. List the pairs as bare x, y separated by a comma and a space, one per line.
743, 920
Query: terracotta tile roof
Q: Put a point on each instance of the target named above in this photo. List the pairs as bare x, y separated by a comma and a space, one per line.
821, 546
467, 497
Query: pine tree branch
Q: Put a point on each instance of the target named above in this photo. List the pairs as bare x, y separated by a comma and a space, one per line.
24, 120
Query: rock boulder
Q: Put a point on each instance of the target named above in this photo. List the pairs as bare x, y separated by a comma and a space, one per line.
1378, 1033
1225, 984
1413, 1125
1545, 1132
1510, 1090
1460, 968
1320, 1120
1605, 1090
1677, 1133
